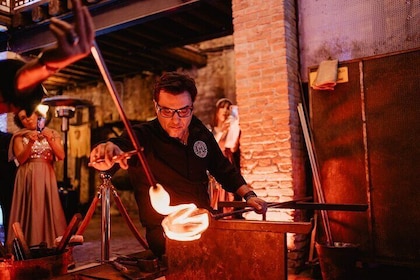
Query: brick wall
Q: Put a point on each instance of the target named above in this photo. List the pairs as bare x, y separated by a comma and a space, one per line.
267, 93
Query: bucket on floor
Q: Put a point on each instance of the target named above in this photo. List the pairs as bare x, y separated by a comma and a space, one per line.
42, 267
338, 261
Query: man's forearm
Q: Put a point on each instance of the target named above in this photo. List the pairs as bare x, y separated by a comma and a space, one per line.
31, 75
244, 190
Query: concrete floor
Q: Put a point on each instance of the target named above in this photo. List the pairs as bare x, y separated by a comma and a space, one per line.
123, 242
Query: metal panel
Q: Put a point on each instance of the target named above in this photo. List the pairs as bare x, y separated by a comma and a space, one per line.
393, 135
234, 249
380, 167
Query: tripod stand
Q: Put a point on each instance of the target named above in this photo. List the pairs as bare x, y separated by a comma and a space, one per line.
104, 194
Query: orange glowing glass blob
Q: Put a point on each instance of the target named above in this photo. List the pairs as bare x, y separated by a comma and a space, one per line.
184, 222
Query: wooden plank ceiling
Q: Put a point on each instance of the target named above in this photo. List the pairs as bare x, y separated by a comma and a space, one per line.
144, 36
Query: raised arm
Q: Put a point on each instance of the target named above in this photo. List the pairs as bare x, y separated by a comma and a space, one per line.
74, 42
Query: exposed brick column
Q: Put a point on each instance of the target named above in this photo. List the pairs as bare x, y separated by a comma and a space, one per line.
267, 93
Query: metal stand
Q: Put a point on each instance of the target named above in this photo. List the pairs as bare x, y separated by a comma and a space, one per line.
65, 113
65, 109
104, 193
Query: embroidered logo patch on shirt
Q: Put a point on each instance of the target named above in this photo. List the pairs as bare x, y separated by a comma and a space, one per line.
200, 149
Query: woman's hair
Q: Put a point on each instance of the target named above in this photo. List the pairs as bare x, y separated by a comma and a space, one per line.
17, 120
175, 83
220, 104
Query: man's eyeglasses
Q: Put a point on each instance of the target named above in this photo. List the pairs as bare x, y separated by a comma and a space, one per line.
183, 112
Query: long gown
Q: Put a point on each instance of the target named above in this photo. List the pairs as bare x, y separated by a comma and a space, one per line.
216, 192
36, 203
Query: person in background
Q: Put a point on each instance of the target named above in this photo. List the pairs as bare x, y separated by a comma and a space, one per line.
7, 180
179, 150
225, 128
21, 87
36, 203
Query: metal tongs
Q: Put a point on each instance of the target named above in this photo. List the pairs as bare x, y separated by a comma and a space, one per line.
150, 264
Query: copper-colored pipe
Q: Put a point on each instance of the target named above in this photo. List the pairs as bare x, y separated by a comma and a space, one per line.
112, 90
89, 214
129, 222
70, 230
106, 181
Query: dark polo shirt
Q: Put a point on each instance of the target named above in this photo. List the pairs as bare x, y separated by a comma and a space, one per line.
180, 169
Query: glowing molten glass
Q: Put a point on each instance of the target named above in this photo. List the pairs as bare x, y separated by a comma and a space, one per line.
184, 222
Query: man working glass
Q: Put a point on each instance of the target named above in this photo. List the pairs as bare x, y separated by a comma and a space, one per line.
180, 150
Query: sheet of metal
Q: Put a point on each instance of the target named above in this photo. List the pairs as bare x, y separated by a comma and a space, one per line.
234, 249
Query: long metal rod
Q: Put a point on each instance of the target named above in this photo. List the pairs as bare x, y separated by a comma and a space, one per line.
112, 90
106, 221
272, 205
317, 181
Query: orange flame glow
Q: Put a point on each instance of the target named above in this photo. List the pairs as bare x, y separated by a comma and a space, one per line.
184, 222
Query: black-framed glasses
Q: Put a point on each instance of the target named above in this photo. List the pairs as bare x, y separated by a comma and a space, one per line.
183, 112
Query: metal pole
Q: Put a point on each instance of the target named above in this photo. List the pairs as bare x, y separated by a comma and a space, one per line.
317, 181
106, 216
112, 90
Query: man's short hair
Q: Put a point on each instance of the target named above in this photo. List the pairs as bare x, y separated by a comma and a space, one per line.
175, 83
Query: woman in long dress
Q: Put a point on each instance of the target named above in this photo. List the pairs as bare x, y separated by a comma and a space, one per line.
36, 203
226, 130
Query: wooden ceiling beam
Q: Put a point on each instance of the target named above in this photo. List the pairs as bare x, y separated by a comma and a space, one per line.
118, 15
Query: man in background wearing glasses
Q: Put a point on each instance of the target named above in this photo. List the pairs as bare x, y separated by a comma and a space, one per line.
179, 150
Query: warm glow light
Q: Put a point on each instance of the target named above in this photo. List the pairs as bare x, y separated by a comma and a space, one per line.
184, 222
42, 109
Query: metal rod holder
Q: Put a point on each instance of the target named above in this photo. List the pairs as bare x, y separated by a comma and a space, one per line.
106, 215
104, 194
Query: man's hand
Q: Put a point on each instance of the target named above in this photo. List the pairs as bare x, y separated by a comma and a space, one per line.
251, 199
258, 204
105, 155
74, 41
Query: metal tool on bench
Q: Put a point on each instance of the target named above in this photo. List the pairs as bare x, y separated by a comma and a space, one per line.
299, 203
148, 264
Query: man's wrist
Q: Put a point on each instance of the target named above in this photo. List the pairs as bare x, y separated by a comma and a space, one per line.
248, 195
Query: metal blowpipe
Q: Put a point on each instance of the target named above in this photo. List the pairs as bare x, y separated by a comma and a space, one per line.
112, 90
